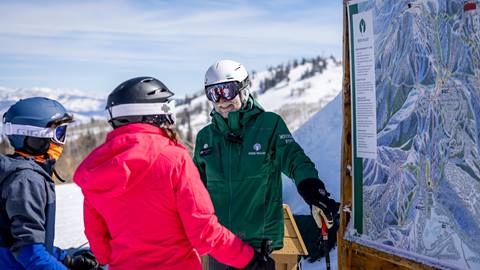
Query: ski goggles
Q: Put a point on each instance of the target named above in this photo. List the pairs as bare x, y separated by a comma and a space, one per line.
57, 134
226, 90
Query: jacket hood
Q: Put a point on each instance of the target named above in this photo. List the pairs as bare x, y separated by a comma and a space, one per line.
121, 162
10, 164
237, 119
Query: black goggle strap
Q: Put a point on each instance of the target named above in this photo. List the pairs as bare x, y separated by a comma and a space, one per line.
61, 179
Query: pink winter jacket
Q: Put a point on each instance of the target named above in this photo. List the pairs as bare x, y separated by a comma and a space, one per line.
145, 206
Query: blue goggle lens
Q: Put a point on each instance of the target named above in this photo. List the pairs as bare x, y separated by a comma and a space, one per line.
60, 134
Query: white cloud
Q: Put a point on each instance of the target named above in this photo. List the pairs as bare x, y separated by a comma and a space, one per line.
162, 34
109, 28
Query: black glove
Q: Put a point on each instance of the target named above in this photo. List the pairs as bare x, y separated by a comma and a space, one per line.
313, 192
260, 262
82, 260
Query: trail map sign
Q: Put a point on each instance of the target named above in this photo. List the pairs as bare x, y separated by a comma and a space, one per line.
415, 87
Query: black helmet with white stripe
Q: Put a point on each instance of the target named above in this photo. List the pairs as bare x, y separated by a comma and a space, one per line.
140, 100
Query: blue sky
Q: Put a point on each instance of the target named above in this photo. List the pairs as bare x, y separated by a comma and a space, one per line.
93, 46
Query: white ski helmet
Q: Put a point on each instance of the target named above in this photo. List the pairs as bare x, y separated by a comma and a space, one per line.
228, 71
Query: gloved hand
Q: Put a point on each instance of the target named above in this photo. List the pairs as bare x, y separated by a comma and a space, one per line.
82, 260
313, 192
260, 262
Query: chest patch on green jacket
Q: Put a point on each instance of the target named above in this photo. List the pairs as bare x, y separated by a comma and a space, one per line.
257, 150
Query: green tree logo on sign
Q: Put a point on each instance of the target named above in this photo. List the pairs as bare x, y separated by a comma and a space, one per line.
362, 26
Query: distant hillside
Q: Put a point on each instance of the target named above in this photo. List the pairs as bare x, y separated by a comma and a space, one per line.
83, 106
296, 90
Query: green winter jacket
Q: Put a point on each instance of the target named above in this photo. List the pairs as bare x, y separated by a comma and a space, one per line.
242, 171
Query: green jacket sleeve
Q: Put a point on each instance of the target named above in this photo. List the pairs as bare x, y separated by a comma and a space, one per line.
290, 156
200, 166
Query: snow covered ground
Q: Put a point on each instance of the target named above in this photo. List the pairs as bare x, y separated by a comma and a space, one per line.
320, 137
69, 217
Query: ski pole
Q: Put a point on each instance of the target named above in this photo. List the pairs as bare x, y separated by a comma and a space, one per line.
323, 224
82, 245
325, 243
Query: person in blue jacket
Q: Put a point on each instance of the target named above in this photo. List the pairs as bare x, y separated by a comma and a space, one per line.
36, 128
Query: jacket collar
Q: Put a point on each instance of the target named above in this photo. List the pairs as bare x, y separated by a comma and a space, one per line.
237, 119
135, 128
17, 162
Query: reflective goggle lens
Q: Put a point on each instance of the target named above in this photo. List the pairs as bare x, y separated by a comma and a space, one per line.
227, 90
60, 134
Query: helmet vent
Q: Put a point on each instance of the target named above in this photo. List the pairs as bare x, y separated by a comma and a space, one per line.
151, 93
147, 80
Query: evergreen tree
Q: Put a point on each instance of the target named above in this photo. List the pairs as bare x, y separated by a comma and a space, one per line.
189, 137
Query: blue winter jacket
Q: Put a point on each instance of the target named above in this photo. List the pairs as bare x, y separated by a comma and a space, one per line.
27, 216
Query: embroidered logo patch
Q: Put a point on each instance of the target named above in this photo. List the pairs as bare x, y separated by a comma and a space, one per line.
257, 147
165, 108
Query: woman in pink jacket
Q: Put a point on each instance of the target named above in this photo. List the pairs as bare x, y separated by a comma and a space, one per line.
145, 206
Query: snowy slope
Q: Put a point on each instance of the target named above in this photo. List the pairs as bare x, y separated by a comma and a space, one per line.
320, 137
321, 88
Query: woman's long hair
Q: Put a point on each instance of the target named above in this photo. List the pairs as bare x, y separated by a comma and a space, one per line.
165, 123
171, 133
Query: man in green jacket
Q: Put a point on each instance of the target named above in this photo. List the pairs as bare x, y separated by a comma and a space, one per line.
241, 155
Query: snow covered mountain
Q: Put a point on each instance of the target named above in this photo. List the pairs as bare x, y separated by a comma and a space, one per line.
296, 90
84, 107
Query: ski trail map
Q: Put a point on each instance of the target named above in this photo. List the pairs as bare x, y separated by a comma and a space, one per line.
415, 73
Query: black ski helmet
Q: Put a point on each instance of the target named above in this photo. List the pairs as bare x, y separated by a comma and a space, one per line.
140, 100
30, 124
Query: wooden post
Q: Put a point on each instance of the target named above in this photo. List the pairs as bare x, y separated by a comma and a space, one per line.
346, 178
